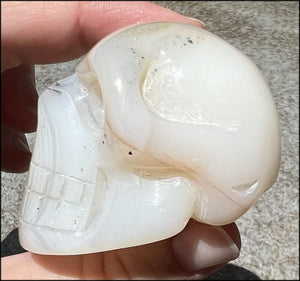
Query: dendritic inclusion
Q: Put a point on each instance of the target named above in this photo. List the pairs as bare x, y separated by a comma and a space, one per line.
160, 123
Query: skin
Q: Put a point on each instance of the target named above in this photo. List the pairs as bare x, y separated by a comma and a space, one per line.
51, 32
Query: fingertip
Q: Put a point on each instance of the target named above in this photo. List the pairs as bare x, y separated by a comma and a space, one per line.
64, 30
200, 246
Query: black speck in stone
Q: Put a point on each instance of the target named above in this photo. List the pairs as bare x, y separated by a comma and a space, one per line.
190, 41
130, 152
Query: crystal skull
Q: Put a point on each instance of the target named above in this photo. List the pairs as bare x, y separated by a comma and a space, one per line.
161, 122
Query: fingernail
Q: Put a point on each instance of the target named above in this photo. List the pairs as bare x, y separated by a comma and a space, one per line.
198, 22
215, 248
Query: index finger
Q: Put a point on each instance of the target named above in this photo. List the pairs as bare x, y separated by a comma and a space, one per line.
40, 32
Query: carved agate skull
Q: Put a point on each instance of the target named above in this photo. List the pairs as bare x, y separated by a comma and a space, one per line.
161, 122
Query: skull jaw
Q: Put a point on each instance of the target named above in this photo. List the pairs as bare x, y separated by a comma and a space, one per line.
127, 217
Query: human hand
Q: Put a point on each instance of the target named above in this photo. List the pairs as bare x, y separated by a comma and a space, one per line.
49, 32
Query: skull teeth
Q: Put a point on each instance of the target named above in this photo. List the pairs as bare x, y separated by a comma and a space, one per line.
56, 201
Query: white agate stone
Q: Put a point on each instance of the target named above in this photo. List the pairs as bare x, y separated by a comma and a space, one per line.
161, 123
